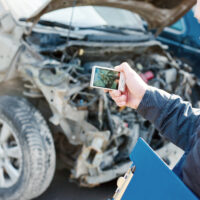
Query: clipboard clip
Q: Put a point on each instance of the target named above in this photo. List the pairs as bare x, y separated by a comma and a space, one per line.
123, 182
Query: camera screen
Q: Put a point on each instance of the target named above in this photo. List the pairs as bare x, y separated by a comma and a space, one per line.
105, 78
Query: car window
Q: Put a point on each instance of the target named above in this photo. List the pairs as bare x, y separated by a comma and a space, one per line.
83, 15
178, 26
89, 16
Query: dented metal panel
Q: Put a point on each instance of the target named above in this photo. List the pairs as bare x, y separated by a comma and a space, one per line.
94, 137
103, 134
158, 14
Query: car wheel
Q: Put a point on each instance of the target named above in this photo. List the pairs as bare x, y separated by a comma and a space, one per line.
27, 153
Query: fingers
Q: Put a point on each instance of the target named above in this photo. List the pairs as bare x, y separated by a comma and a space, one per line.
120, 99
117, 96
121, 104
114, 94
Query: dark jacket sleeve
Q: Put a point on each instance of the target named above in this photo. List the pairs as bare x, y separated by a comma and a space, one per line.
174, 118
180, 123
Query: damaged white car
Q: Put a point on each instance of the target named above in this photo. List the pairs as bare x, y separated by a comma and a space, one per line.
47, 50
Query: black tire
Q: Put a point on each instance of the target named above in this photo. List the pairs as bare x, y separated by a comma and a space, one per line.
36, 142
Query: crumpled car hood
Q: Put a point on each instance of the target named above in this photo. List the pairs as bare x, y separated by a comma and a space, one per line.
158, 13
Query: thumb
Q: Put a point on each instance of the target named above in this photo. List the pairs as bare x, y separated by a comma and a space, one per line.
119, 68
124, 67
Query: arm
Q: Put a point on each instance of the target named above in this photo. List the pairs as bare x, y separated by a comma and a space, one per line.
173, 117
178, 122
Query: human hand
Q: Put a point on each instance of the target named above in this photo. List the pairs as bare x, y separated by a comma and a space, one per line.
197, 11
135, 88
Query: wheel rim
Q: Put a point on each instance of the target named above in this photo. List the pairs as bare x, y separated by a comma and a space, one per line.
10, 156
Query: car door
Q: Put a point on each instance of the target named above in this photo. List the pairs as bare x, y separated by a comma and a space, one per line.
183, 39
174, 36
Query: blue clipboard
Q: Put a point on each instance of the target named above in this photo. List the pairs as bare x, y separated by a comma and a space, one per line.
152, 179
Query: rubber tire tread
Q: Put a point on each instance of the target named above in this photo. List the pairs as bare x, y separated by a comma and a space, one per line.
37, 146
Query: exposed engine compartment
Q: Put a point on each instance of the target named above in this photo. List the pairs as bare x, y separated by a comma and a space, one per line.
46, 102
100, 135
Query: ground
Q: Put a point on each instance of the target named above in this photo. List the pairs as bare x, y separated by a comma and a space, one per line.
62, 189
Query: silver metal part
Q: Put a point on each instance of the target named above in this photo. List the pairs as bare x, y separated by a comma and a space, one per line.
10, 156
123, 182
94, 137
